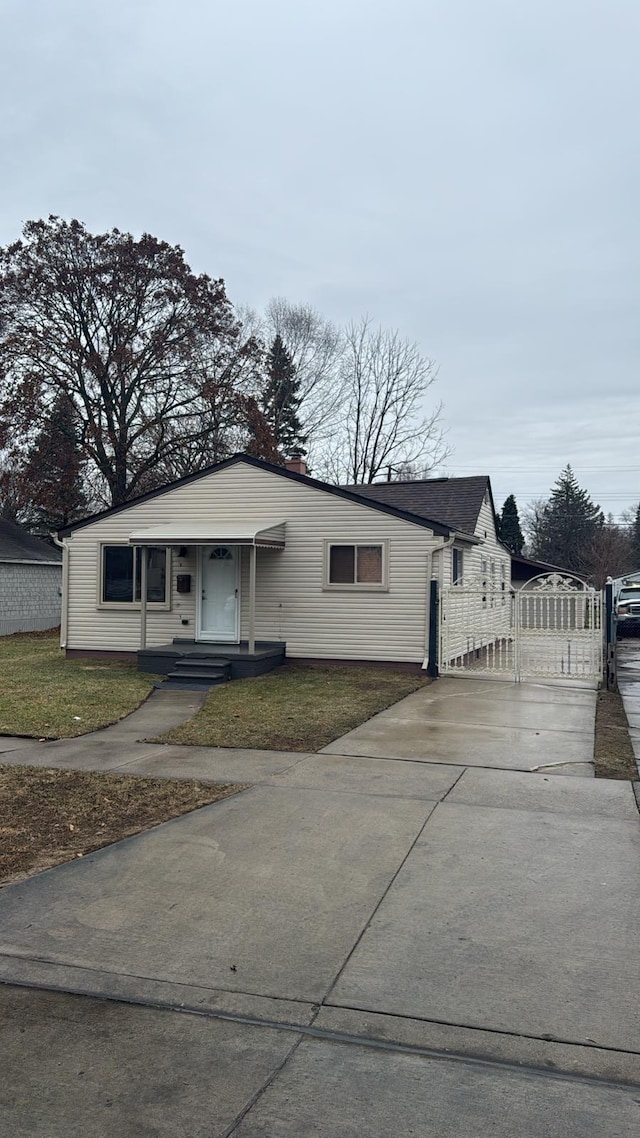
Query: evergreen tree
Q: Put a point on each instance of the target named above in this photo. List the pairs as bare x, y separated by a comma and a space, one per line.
53, 472
281, 400
260, 439
568, 525
508, 524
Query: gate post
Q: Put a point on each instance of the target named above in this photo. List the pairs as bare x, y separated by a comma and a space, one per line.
609, 637
434, 630
516, 636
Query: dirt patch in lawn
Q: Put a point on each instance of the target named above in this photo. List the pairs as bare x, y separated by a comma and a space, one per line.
50, 816
294, 708
613, 753
45, 696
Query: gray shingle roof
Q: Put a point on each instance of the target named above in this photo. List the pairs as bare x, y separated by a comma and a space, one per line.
18, 545
454, 501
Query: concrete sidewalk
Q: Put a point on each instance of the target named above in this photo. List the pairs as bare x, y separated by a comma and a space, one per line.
361, 944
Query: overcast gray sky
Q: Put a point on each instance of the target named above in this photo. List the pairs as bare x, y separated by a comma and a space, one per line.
464, 170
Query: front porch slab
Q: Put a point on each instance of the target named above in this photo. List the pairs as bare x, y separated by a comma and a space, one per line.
267, 655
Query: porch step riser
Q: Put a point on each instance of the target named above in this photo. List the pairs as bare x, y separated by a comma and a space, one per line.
192, 685
218, 676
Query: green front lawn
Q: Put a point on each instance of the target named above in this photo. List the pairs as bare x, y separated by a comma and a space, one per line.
46, 696
294, 708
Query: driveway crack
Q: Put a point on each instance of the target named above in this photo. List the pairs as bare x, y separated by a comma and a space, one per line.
384, 894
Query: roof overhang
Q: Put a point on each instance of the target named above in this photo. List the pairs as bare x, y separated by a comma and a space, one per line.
265, 534
29, 561
469, 538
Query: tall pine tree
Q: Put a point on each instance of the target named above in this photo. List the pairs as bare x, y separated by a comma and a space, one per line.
281, 400
53, 472
569, 525
509, 530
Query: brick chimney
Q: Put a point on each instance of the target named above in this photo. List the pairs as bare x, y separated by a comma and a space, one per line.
296, 463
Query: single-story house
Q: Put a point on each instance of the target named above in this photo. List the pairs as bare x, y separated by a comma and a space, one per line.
256, 558
30, 581
628, 579
524, 570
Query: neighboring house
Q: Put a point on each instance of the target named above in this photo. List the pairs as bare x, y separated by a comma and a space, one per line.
30, 581
249, 552
524, 570
618, 582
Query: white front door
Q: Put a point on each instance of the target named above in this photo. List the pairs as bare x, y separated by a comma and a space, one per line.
219, 593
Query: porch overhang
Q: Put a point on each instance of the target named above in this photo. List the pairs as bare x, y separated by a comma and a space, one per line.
265, 534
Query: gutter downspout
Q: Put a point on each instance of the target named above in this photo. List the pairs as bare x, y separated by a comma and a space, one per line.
64, 608
427, 610
440, 549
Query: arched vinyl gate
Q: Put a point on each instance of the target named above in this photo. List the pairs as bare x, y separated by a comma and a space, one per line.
552, 629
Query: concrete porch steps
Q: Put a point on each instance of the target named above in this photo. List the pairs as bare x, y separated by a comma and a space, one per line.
197, 673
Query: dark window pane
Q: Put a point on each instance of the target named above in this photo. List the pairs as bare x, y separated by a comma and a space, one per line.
370, 564
117, 577
456, 571
342, 565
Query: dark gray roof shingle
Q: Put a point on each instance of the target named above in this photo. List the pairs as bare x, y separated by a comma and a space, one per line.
18, 545
454, 501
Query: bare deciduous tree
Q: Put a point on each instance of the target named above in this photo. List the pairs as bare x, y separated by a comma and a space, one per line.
14, 497
609, 554
385, 381
533, 518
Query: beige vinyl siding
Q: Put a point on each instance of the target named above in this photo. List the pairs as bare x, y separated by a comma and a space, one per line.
291, 602
490, 549
491, 621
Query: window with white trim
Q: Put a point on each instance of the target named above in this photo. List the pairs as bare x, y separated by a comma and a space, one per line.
356, 566
121, 574
456, 567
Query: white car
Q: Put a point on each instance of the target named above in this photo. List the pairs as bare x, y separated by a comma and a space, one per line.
628, 610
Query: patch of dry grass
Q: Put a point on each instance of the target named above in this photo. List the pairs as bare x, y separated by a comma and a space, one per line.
50, 816
45, 696
294, 708
613, 753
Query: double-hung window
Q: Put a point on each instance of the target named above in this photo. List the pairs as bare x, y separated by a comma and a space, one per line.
356, 566
121, 574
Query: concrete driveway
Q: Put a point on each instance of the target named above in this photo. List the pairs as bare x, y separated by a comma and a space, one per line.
484, 723
359, 944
